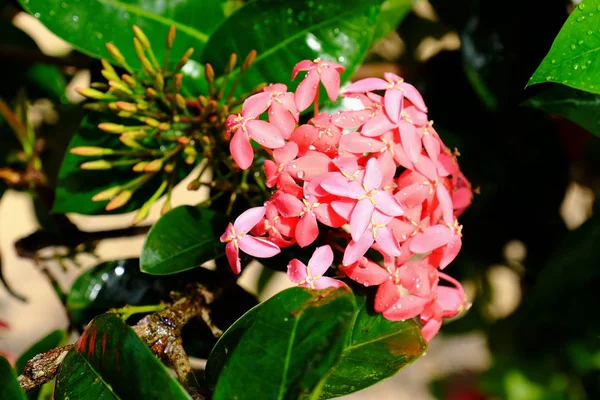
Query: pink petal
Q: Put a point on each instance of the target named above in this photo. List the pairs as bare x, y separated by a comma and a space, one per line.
288, 185
387, 204
340, 186
451, 300
373, 175
304, 136
432, 238
256, 104
248, 219
411, 93
286, 153
417, 117
387, 295
288, 205
327, 216
377, 126
418, 278
393, 103
406, 307
282, 119
367, 272
233, 257
321, 260
351, 119
450, 251
425, 166
388, 168
413, 195
361, 218
310, 166
326, 282
367, 85
343, 207
388, 243
303, 65
296, 271
445, 203
241, 150
307, 90
354, 142
271, 173
288, 101
307, 230
265, 133
432, 145
430, 329
258, 247
356, 249
410, 140
331, 80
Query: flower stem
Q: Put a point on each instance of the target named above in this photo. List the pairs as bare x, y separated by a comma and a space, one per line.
129, 310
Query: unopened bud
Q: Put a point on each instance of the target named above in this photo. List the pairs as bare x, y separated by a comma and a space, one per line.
109, 72
184, 59
96, 164
128, 79
209, 73
231, 64
134, 135
171, 36
139, 167
119, 87
169, 168
203, 100
99, 85
159, 82
151, 92
125, 114
107, 194
142, 213
166, 207
125, 106
164, 126
177, 81
111, 127
154, 165
129, 142
249, 61
180, 101
95, 106
115, 53
147, 66
119, 201
91, 93
89, 151
151, 122
141, 37
194, 185
113, 106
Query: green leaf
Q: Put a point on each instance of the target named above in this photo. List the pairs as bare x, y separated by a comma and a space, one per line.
583, 108
9, 385
392, 12
89, 25
183, 238
76, 187
573, 58
113, 284
294, 339
110, 360
47, 343
285, 33
375, 350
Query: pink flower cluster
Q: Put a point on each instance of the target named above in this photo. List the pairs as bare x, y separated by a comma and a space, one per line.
379, 178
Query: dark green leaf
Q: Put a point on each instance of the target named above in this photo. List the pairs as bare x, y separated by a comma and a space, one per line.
284, 33
9, 385
375, 350
114, 355
76, 187
113, 284
573, 57
88, 26
182, 239
392, 12
583, 108
294, 339
45, 344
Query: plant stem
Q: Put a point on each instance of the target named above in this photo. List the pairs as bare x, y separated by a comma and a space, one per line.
129, 310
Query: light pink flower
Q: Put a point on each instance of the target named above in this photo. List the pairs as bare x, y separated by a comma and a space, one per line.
244, 127
448, 302
442, 239
318, 71
311, 275
377, 232
236, 236
281, 105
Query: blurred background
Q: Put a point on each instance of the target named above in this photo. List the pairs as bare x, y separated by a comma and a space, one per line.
531, 249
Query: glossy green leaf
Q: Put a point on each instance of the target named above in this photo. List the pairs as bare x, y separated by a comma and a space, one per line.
583, 108
76, 187
392, 12
375, 350
573, 58
184, 238
287, 32
9, 385
110, 360
294, 339
89, 25
47, 343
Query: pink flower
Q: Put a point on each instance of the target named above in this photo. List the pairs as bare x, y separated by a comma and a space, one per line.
245, 126
395, 92
368, 194
281, 104
379, 232
442, 239
318, 70
236, 236
311, 276
283, 156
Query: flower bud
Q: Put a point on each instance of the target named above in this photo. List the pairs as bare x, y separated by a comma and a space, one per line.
119, 201
139, 167
209, 73
231, 63
151, 122
125, 106
129, 80
141, 36
177, 81
107, 194
164, 126
129, 142
248, 61
96, 165
91, 93
111, 127
180, 101
99, 85
159, 82
154, 165
184, 59
171, 36
89, 151
194, 185
109, 72
115, 53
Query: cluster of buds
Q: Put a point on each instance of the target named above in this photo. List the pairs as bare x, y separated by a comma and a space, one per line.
377, 179
160, 128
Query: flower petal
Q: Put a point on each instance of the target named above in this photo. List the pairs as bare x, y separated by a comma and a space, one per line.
393, 103
331, 80
326, 282
321, 260
387, 295
340, 186
410, 140
296, 271
388, 243
361, 218
373, 175
450, 251
257, 247
432, 238
282, 119
307, 90
288, 205
231, 251
265, 134
406, 307
356, 249
377, 126
366, 85
307, 230
387, 204
354, 142
412, 94
303, 65
255, 105
365, 271
241, 150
